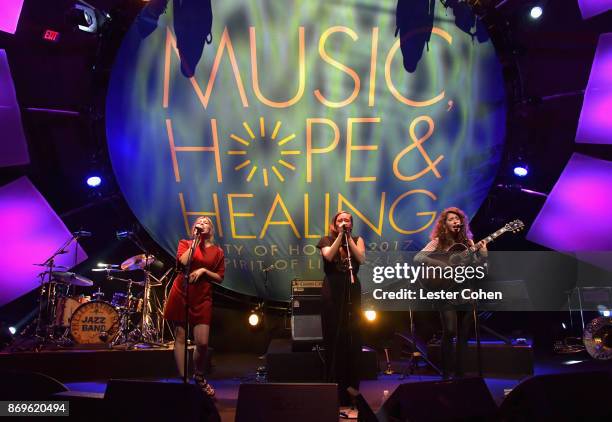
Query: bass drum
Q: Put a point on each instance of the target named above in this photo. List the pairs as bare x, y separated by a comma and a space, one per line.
93, 321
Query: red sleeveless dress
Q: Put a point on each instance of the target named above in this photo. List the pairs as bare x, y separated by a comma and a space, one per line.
200, 293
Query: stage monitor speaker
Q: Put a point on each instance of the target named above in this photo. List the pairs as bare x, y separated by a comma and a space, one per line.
306, 329
562, 397
463, 399
366, 414
17, 385
287, 402
150, 400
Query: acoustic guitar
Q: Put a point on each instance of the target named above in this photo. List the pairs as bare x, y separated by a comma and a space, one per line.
461, 255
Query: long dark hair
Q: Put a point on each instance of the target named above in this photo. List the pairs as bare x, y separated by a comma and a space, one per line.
443, 235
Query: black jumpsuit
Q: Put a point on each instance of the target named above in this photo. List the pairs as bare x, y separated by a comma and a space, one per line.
341, 321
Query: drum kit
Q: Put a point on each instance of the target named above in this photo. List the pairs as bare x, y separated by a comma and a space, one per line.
132, 317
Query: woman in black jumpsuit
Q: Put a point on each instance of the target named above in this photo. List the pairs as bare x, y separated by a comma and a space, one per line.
341, 300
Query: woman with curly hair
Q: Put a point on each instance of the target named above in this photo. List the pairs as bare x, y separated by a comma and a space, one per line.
451, 228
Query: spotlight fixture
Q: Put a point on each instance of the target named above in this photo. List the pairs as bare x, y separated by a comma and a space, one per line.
536, 12
521, 171
94, 181
6, 335
12, 330
86, 17
254, 319
370, 315
520, 168
256, 316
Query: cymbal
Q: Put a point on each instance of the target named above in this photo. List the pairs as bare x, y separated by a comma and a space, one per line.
72, 278
138, 262
110, 270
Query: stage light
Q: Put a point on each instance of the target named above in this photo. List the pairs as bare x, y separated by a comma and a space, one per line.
572, 362
6, 336
86, 17
94, 181
563, 325
254, 319
536, 12
520, 170
12, 330
370, 315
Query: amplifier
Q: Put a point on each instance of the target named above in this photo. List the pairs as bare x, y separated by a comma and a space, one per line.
306, 287
305, 314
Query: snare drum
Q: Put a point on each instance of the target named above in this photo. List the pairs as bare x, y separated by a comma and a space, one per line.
94, 323
65, 307
119, 300
129, 303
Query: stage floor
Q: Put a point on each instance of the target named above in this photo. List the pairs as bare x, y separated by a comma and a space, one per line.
230, 370
233, 369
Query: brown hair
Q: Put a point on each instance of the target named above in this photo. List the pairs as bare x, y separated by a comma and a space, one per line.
332, 226
441, 233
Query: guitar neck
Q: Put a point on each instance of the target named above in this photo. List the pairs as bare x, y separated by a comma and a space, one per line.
489, 238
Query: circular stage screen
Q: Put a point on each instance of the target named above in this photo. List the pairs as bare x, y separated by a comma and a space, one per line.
293, 113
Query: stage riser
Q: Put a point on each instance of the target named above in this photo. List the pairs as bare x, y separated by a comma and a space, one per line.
68, 366
501, 360
283, 365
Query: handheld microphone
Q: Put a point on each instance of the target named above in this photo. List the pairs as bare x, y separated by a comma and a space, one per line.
269, 268
199, 229
81, 233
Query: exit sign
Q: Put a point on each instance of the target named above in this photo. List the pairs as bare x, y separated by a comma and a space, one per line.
50, 35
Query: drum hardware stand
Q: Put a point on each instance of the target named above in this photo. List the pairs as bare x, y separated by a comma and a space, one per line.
165, 323
47, 296
159, 308
146, 334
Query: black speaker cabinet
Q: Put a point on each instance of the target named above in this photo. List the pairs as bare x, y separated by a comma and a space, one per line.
463, 399
287, 402
131, 400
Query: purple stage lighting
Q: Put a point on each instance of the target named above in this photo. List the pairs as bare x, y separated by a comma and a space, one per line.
595, 124
576, 215
590, 8
94, 181
13, 148
31, 233
9, 15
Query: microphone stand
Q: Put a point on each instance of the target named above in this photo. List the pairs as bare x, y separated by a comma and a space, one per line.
186, 268
349, 301
349, 257
50, 290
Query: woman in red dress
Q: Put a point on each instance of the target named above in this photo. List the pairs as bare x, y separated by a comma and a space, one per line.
207, 266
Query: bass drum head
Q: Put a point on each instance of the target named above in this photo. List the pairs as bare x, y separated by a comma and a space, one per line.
92, 320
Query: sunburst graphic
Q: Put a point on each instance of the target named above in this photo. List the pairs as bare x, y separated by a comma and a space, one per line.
251, 168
